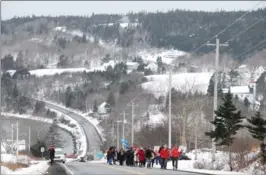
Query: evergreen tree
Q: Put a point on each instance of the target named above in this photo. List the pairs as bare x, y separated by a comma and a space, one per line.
261, 84
147, 72
20, 61
106, 59
95, 106
53, 136
111, 99
160, 64
210, 90
84, 39
246, 102
227, 122
233, 76
69, 97
36, 148
8, 63
257, 128
124, 86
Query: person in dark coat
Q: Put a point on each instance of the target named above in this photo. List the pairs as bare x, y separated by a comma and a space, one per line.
52, 154
110, 156
127, 157
131, 156
121, 156
148, 155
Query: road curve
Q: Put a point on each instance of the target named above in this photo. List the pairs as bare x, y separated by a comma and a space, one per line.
94, 140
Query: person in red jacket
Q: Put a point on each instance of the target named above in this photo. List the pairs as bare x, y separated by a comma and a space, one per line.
175, 153
164, 153
141, 157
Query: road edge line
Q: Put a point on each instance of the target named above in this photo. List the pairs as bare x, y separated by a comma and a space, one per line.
68, 171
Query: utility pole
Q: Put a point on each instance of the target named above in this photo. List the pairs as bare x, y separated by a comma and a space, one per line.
215, 106
123, 129
29, 138
170, 111
17, 141
0, 90
117, 134
132, 125
12, 136
113, 131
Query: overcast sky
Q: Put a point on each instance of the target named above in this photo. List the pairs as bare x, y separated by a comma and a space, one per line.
10, 9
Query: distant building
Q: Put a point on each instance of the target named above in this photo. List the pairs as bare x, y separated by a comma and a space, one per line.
242, 69
242, 92
153, 66
131, 66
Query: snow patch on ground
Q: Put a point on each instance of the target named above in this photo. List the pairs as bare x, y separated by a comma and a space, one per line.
184, 82
54, 71
189, 165
167, 55
35, 167
156, 118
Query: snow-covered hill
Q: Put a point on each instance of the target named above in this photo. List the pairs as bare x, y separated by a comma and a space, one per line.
184, 82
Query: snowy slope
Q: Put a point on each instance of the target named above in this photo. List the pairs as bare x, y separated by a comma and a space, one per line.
51, 72
167, 55
184, 82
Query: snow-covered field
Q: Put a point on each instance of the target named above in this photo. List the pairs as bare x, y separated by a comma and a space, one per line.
167, 55
184, 82
51, 72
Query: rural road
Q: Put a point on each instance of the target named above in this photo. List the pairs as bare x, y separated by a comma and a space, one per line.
94, 141
91, 168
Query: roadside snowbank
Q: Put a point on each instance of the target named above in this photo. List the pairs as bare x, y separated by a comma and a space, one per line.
35, 167
81, 140
93, 121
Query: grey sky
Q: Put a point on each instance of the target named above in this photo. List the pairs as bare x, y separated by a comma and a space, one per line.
54, 8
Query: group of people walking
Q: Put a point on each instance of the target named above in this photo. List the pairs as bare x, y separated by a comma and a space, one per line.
144, 157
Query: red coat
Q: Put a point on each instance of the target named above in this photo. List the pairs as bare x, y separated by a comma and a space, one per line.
164, 153
141, 155
175, 152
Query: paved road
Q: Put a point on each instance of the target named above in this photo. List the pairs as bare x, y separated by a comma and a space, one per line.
89, 168
93, 138
56, 169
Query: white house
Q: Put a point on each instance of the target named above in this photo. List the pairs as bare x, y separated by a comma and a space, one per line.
241, 91
132, 66
153, 66
243, 69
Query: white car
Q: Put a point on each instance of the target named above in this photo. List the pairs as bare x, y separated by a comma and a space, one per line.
59, 155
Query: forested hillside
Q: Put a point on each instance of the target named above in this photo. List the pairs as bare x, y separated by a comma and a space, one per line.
183, 30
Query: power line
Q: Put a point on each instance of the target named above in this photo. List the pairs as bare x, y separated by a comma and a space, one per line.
261, 19
243, 31
226, 27
250, 49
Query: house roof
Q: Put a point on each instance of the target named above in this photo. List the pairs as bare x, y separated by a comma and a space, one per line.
239, 89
